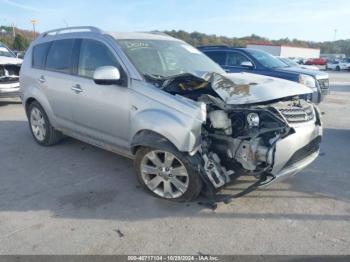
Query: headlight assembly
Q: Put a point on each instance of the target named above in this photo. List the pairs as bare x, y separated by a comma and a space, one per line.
253, 119
307, 80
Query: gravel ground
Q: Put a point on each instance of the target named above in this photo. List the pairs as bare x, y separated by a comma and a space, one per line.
77, 199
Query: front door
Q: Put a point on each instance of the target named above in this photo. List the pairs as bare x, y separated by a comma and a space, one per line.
100, 112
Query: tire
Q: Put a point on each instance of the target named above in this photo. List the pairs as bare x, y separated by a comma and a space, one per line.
40, 127
191, 185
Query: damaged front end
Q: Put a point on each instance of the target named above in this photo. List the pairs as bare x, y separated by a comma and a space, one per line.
252, 128
9, 80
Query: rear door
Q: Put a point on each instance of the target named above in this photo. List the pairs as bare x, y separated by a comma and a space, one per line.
57, 79
100, 112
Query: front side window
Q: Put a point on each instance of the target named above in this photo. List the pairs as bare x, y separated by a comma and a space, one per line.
163, 58
39, 55
94, 54
59, 56
236, 59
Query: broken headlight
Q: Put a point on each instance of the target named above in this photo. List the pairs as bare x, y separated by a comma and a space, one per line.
253, 119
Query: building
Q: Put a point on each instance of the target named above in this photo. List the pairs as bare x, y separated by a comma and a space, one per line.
287, 51
333, 56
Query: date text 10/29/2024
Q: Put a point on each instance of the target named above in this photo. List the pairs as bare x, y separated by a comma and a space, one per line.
173, 258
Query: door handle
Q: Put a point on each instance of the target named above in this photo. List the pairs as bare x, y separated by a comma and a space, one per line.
42, 79
77, 89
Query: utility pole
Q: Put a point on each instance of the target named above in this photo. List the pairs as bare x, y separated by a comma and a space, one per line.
34, 22
335, 34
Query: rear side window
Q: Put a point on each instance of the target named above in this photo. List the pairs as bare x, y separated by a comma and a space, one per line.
218, 56
39, 55
59, 56
94, 54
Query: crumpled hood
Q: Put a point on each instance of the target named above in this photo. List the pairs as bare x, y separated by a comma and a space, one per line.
247, 88
4, 60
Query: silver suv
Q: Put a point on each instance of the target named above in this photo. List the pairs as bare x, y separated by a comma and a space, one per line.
187, 124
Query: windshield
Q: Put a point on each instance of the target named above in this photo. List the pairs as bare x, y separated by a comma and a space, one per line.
289, 62
4, 51
266, 59
162, 58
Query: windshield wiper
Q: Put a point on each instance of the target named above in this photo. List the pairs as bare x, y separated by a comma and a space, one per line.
153, 76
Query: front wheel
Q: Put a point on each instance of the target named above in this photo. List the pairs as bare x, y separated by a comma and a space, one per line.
167, 173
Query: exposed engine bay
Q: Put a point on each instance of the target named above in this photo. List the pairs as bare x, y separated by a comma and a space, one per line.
238, 139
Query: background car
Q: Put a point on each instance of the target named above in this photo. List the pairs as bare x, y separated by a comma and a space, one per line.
316, 61
9, 72
337, 65
262, 63
292, 63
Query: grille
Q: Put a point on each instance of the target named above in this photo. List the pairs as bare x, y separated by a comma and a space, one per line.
324, 85
304, 152
298, 114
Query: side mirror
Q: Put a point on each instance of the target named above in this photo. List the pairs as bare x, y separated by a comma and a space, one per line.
107, 75
247, 64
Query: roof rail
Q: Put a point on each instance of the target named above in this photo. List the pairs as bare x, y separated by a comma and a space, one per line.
213, 46
156, 32
71, 29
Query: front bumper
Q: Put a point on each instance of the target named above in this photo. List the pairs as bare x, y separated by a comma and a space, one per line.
9, 90
296, 151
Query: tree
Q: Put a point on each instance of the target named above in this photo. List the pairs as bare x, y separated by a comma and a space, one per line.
20, 43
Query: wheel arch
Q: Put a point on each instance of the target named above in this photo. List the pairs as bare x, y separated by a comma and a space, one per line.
148, 138
33, 95
182, 132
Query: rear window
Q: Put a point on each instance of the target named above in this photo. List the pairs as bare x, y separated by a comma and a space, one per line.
218, 56
39, 55
59, 56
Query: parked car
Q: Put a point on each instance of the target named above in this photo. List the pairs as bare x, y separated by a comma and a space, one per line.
260, 62
9, 72
316, 61
347, 60
186, 123
19, 54
292, 63
337, 65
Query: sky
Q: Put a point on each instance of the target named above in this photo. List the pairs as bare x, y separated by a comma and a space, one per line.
314, 20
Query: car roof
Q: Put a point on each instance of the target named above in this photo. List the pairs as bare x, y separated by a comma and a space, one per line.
141, 35
223, 47
89, 30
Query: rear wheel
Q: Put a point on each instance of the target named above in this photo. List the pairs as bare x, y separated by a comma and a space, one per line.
167, 173
42, 130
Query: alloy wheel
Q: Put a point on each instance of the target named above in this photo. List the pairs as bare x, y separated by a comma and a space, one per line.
37, 123
164, 174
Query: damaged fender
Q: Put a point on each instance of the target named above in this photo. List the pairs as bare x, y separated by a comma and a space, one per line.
184, 134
